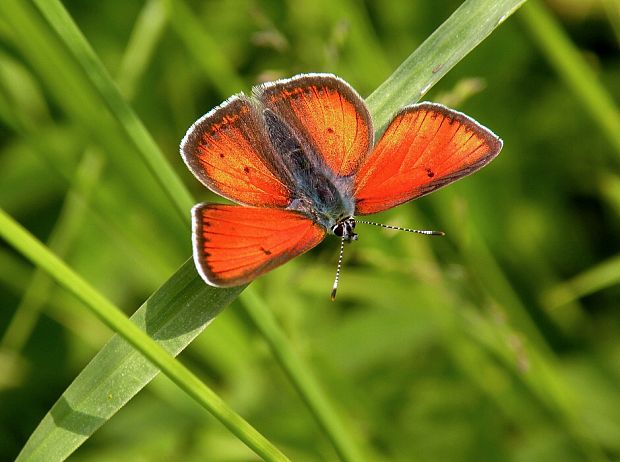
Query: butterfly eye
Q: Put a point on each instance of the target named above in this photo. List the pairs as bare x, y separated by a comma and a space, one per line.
338, 229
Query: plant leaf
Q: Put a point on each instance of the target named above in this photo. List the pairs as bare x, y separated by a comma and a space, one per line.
174, 315
469, 25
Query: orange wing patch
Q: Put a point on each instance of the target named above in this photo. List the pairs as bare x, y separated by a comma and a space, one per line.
327, 113
234, 245
425, 147
229, 152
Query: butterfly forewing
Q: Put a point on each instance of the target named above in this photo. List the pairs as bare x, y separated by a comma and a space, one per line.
233, 245
425, 147
228, 151
327, 114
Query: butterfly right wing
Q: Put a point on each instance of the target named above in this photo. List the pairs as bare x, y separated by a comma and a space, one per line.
234, 245
228, 150
425, 147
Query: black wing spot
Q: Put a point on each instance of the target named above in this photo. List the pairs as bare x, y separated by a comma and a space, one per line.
221, 155
330, 130
246, 169
265, 251
430, 173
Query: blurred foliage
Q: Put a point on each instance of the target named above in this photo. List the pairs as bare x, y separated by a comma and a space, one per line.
498, 342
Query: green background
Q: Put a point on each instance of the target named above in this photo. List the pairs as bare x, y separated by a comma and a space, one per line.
497, 342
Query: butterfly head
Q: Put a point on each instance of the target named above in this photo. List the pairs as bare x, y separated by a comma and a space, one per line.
344, 228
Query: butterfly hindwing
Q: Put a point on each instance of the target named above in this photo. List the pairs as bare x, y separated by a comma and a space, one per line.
327, 114
233, 245
425, 147
229, 152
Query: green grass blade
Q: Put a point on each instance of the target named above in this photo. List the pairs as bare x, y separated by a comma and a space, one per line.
469, 25
79, 100
144, 38
143, 42
173, 316
62, 237
204, 49
569, 63
572, 67
598, 277
612, 8
301, 377
55, 13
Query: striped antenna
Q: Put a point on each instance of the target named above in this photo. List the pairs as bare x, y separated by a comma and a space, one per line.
398, 228
335, 286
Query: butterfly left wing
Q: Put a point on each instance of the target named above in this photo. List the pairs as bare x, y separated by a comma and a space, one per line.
425, 147
234, 245
327, 113
229, 151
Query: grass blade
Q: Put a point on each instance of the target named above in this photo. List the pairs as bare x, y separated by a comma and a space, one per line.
143, 42
173, 315
83, 105
301, 377
145, 36
469, 25
596, 278
569, 63
572, 67
203, 48
62, 237
64, 26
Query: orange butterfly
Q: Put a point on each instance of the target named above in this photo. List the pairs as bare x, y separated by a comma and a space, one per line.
301, 159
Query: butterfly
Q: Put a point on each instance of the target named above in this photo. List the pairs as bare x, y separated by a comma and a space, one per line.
299, 158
